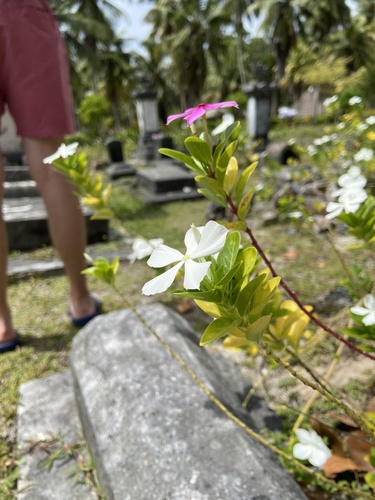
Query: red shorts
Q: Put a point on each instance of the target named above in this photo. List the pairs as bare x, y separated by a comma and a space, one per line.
34, 74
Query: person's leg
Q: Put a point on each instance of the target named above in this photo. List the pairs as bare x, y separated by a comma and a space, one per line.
66, 221
6, 329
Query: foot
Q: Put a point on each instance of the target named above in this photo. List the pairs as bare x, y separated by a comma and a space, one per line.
8, 342
81, 312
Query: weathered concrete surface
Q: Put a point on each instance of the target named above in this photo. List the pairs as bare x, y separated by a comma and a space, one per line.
153, 432
47, 408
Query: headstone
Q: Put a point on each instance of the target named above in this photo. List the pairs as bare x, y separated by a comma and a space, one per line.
117, 168
153, 432
10, 143
164, 182
258, 111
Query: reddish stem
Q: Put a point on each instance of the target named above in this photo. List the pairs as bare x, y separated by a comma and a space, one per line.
294, 296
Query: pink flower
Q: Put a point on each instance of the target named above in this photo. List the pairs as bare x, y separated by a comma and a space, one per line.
192, 114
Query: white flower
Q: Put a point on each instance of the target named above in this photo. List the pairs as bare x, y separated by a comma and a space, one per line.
340, 126
354, 100
351, 181
364, 154
143, 248
362, 126
227, 120
330, 100
370, 120
295, 215
311, 447
311, 150
286, 112
349, 202
368, 311
62, 152
200, 242
322, 140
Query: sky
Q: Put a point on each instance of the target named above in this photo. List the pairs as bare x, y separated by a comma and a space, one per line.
132, 27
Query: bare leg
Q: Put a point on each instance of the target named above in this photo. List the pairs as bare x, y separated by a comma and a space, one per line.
66, 222
6, 328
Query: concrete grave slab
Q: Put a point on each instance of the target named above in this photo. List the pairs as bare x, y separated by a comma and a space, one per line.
47, 408
153, 432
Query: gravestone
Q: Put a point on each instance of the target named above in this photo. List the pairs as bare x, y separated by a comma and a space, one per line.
117, 168
154, 434
258, 112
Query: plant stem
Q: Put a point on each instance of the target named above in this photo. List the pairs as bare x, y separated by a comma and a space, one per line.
313, 397
358, 419
293, 294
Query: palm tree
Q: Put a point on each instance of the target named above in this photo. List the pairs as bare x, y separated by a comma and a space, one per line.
283, 24
188, 32
324, 17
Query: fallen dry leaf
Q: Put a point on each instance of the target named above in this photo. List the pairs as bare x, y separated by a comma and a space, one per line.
359, 447
336, 464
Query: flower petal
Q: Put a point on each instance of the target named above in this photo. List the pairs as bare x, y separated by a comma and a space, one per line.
225, 104
301, 451
369, 302
191, 238
303, 436
212, 240
163, 255
333, 209
360, 311
369, 319
194, 274
161, 283
195, 114
50, 159
319, 456
171, 118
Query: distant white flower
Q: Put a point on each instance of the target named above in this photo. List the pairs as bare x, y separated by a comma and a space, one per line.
354, 100
362, 126
227, 120
340, 126
368, 311
330, 100
370, 120
200, 242
311, 447
286, 112
311, 150
143, 248
295, 215
352, 180
322, 140
62, 152
349, 202
364, 154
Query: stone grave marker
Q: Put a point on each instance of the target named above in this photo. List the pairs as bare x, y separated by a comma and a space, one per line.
118, 167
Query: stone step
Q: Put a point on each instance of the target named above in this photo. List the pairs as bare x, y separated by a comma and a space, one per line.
26, 222
20, 189
47, 410
16, 173
152, 431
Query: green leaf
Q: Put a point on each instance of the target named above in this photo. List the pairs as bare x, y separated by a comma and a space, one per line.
228, 254
217, 329
213, 197
233, 131
207, 296
228, 276
212, 184
238, 225
244, 206
244, 179
244, 299
249, 258
199, 149
255, 330
223, 161
184, 158
217, 152
230, 175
